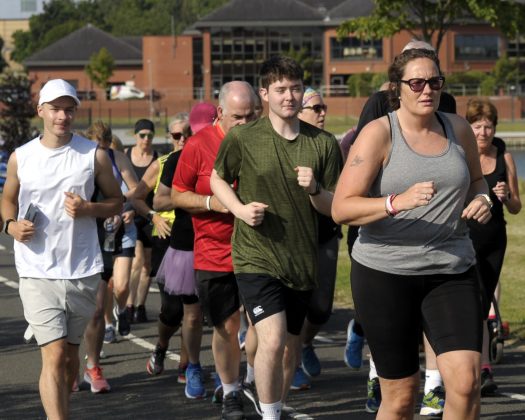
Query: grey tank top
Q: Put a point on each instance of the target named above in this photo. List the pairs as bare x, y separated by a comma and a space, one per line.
430, 239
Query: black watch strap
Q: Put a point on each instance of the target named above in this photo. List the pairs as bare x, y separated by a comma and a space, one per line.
317, 189
7, 225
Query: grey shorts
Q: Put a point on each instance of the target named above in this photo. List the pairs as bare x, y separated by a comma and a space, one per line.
57, 308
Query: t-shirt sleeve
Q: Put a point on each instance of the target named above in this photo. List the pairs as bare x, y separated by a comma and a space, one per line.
185, 177
168, 171
333, 165
229, 159
375, 107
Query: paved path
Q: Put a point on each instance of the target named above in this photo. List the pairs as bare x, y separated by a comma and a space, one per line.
338, 393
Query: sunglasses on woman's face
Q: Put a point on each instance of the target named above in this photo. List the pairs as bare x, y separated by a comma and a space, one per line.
148, 135
178, 136
417, 84
317, 108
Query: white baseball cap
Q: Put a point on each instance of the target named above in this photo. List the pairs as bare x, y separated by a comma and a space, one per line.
57, 88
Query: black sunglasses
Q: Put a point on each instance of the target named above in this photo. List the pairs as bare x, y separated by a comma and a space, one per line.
148, 135
178, 136
418, 84
317, 108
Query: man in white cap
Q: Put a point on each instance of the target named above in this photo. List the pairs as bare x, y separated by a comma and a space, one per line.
48, 211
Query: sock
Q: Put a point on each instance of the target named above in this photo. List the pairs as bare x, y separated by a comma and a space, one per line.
271, 411
90, 365
227, 388
432, 380
250, 374
486, 366
373, 372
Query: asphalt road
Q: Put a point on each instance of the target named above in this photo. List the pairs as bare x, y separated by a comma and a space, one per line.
338, 393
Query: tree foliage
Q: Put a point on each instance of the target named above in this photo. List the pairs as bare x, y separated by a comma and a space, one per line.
16, 109
3, 63
305, 60
100, 67
431, 19
118, 17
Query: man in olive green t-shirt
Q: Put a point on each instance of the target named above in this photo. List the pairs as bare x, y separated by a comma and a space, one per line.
285, 171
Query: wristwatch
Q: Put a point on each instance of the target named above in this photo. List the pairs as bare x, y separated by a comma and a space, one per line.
150, 215
7, 225
486, 197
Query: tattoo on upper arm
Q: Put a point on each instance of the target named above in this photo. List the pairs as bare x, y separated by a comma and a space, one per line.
356, 161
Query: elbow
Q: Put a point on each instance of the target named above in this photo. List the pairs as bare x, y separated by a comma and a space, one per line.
337, 214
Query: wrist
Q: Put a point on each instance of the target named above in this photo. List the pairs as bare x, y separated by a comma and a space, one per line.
150, 216
207, 203
486, 197
317, 189
6, 226
389, 208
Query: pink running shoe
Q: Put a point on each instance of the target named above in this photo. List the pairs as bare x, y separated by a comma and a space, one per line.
97, 381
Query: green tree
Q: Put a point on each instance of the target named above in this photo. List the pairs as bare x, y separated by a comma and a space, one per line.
3, 63
17, 109
431, 19
100, 67
360, 84
305, 60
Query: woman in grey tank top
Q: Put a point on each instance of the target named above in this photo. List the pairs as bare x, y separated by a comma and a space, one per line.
411, 180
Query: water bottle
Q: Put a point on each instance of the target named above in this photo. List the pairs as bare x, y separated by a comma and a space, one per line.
109, 237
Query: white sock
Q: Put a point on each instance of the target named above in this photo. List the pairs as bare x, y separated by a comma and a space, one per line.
432, 379
250, 374
373, 372
227, 388
90, 365
271, 411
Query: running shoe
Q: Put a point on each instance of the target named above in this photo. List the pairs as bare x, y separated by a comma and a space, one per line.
310, 362
488, 386
300, 380
97, 381
250, 392
140, 314
433, 402
218, 392
130, 313
123, 326
373, 398
194, 383
241, 335
155, 365
232, 407
110, 336
354, 347
181, 375
288, 412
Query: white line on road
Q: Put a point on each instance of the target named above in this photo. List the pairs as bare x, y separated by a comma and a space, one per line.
514, 396
2, 248
148, 346
9, 283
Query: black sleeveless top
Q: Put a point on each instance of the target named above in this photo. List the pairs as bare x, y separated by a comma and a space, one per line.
140, 171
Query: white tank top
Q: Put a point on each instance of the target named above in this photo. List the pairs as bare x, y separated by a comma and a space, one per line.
62, 247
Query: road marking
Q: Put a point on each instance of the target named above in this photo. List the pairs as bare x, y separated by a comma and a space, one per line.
148, 346
2, 248
323, 339
514, 396
10, 283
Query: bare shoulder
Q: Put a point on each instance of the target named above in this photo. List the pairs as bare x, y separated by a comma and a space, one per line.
376, 134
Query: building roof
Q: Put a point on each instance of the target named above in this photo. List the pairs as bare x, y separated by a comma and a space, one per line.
76, 49
284, 13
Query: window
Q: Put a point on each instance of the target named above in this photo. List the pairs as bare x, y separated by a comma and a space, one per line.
356, 49
476, 47
28, 5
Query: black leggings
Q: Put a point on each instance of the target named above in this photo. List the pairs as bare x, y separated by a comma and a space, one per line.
394, 308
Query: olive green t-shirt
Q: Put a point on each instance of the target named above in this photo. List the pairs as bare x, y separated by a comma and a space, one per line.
263, 164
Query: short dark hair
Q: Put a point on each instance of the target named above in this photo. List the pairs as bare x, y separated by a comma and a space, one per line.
279, 67
479, 108
397, 70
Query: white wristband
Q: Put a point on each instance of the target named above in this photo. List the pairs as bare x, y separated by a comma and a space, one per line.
208, 199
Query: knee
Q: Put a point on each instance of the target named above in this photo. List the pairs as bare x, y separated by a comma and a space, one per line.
275, 344
120, 288
231, 326
402, 401
465, 385
192, 320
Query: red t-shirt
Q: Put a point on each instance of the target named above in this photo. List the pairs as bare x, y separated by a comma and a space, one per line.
213, 231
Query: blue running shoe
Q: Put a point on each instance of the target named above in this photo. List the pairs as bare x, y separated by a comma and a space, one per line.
241, 335
354, 348
373, 399
310, 362
194, 383
300, 380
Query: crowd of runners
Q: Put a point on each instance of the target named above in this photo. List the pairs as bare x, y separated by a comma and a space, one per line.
240, 225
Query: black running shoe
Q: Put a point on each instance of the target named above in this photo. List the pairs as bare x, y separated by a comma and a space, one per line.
488, 386
250, 393
140, 314
123, 326
155, 364
232, 408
